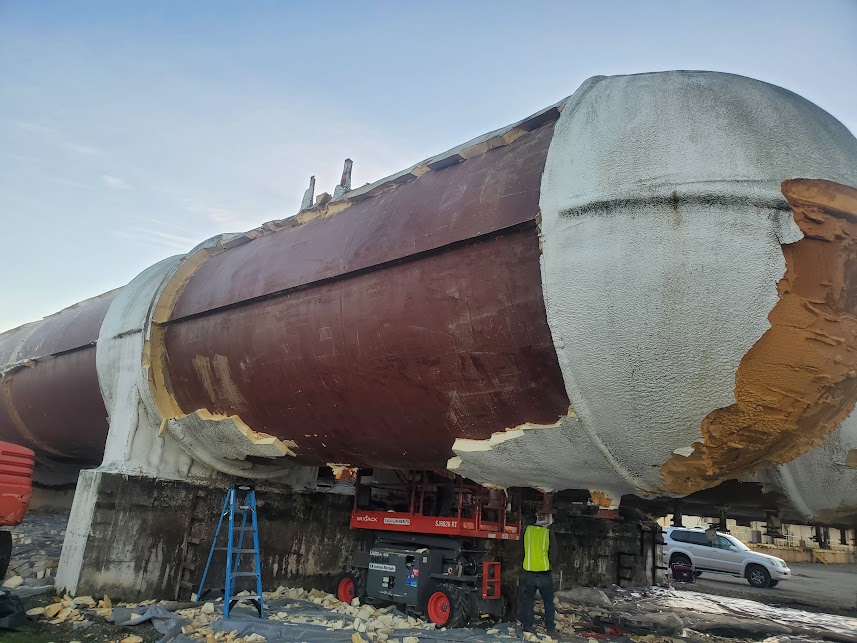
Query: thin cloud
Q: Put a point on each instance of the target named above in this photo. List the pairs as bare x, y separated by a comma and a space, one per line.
59, 138
80, 148
71, 183
218, 214
115, 182
37, 128
158, 238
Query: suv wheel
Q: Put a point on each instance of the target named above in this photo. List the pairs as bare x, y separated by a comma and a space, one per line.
680, 559
758, 576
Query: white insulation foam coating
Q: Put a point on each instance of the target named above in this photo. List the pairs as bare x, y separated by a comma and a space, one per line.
822, 484
662, 223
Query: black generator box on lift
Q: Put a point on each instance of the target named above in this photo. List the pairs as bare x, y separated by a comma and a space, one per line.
401, 574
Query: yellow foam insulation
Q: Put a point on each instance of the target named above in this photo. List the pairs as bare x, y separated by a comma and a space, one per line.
343, 471
601, 499
799, 381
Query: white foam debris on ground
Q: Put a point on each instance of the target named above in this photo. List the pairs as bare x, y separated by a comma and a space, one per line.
653, 615
321, 617
338, 615
747, 609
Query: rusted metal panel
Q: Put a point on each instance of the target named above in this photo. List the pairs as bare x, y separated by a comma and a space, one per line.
51, 401
55, 408
70, 329
387, 367
66, 330
489, 192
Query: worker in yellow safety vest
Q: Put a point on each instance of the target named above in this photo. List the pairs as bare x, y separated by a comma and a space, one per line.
540, 551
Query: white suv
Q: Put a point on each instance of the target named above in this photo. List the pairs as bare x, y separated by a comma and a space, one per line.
725, 554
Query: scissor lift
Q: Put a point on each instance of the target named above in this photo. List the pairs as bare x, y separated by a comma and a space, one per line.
429, 553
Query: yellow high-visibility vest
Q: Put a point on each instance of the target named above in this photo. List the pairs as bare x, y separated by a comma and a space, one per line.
536, 546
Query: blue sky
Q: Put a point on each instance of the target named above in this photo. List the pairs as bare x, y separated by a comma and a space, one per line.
130, 131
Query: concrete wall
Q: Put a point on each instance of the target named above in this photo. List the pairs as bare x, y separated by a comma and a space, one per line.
589, 550
797, 555
150, 538
593, 549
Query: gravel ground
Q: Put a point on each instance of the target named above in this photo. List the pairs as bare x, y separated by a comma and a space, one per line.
814, 587
36, 548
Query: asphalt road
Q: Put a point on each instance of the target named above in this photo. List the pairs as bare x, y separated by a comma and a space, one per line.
813, 586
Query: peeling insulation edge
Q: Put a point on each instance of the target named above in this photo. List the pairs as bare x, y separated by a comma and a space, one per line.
286, 447
471, 446
784, 410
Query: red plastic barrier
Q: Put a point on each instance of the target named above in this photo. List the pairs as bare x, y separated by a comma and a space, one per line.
16, 482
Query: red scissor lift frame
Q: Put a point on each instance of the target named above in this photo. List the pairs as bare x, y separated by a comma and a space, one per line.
465, 511
468, 521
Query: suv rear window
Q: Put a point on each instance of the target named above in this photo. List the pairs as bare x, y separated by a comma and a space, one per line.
680, 536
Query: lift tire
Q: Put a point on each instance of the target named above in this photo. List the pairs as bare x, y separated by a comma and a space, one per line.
352, 585
758, 576
448, 605
5, 551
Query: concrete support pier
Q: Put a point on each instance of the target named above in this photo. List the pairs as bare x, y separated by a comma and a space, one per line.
139, 537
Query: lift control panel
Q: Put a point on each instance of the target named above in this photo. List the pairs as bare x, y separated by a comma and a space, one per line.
394, 574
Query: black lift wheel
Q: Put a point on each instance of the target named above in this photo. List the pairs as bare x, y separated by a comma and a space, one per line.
448, 605
352, 585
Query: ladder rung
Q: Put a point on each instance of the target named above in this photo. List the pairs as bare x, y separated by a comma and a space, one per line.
244, 574
236, 551
244, 598
243, 529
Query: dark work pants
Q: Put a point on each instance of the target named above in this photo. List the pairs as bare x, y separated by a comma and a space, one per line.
530, 582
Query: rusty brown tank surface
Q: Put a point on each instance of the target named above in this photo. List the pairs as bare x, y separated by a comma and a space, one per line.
378, 337
562, 303
49, 395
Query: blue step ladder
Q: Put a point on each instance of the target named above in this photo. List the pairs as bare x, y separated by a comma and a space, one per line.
245, 508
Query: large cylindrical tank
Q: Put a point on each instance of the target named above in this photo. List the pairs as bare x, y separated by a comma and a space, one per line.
616, 294
49, 395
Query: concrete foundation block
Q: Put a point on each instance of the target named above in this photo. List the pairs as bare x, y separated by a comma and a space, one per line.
592, 552
136, 538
